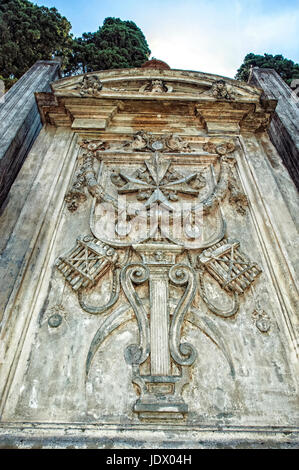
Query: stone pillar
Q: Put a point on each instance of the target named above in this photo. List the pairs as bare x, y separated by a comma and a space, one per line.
160, 359
284, 127
20, 120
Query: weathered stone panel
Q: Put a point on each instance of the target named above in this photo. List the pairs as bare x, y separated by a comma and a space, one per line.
150, 295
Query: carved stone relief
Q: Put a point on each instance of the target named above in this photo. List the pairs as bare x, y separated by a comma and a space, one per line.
56, 315
237, 198
221, 91
142, 141
91, 85
159, 260
145, 141
261, 320
156, 86
157, 181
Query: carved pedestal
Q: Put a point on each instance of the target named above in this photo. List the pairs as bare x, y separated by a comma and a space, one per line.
161, 390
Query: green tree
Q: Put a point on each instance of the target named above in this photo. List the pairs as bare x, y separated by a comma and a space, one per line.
117, 44
286, 68
29, 33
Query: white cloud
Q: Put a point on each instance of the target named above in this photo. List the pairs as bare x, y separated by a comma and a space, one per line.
216, 41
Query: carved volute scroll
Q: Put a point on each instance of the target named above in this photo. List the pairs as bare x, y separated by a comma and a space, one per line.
159, 260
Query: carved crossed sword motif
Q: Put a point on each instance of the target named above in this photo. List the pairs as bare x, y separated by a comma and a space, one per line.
156, 183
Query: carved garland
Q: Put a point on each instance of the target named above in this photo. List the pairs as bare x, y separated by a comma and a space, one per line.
86, 176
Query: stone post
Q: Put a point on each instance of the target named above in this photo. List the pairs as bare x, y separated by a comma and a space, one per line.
20, 120
284, 127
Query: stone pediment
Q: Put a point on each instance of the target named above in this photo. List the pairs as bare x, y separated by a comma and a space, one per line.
142, 99
154, 84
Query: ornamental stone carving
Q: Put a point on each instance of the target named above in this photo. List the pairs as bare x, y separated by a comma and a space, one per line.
221, 91
237, 198
134, 309
145, 141
156, 86
91, 85
262, 320
157, 182
158, 259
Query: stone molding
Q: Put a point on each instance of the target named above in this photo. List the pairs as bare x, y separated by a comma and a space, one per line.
237, 109
98, 436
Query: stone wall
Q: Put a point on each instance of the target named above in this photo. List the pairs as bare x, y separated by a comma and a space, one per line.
20, 120
150, 263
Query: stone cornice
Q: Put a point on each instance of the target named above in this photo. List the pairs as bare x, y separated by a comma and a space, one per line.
213, 104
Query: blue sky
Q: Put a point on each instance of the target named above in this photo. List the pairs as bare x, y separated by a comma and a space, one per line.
209, 36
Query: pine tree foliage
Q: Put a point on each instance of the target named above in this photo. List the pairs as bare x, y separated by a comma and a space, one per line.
117, 44
286, 68
29, 33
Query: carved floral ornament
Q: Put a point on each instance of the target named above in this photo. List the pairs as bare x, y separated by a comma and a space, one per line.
158, 259
145, 142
